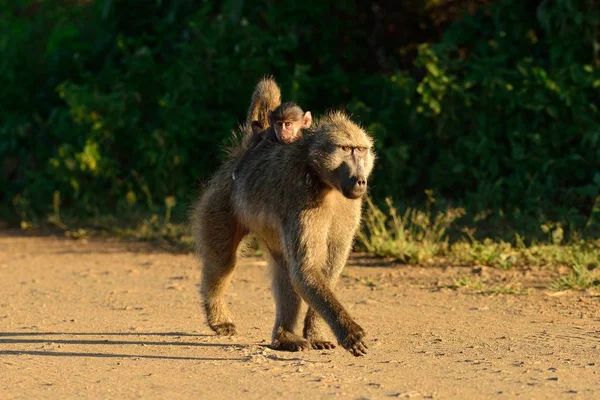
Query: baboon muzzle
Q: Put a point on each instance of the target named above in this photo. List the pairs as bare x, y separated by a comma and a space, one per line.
355, 187
354, 183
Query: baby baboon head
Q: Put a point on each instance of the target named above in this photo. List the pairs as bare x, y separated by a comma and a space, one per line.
288, 120
341, 153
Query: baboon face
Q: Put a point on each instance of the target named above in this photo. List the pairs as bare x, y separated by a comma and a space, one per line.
342, 155
288, 130
288, 120
351, 175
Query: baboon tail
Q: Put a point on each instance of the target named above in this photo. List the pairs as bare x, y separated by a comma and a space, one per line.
266, 97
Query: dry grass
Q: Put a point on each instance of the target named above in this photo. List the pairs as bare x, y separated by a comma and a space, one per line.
419, 237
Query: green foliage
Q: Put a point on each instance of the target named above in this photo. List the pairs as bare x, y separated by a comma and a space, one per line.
506, 255
505, 118
487, 252
117, 105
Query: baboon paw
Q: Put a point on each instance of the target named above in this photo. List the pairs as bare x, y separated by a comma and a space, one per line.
290, 343
355, 343
226, 329
322, 345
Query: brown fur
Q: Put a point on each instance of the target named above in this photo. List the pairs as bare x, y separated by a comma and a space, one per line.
266, 97
306, 234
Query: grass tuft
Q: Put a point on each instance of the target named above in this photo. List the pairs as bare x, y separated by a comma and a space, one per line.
414, 237
579, 278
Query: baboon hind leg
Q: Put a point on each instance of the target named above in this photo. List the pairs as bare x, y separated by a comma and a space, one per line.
315, 328
288, 305
218, 235
315, 331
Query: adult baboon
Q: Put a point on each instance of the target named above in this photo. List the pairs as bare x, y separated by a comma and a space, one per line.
317, 182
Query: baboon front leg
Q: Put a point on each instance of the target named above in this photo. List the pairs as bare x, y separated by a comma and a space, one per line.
288, 305
309, 283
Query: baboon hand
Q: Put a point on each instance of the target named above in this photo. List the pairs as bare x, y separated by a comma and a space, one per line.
354, 341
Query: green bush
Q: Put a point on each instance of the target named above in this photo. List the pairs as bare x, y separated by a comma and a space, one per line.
505, 117
117, 105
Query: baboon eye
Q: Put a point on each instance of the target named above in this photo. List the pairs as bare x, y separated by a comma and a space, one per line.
288, 124
361, 149
346, 148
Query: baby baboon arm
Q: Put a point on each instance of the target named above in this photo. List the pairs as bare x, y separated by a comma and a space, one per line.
306, 274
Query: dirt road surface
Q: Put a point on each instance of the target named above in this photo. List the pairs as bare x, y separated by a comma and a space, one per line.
107, 319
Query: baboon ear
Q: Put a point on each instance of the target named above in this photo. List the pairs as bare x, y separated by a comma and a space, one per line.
307, 120
256, 127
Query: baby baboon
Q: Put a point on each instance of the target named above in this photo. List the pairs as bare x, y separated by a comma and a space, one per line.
286, 123
307, 233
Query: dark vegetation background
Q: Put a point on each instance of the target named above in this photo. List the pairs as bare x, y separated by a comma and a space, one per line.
111, 107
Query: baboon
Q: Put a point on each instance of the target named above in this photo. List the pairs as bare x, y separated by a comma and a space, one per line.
318, 181
287, 121
286, 124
